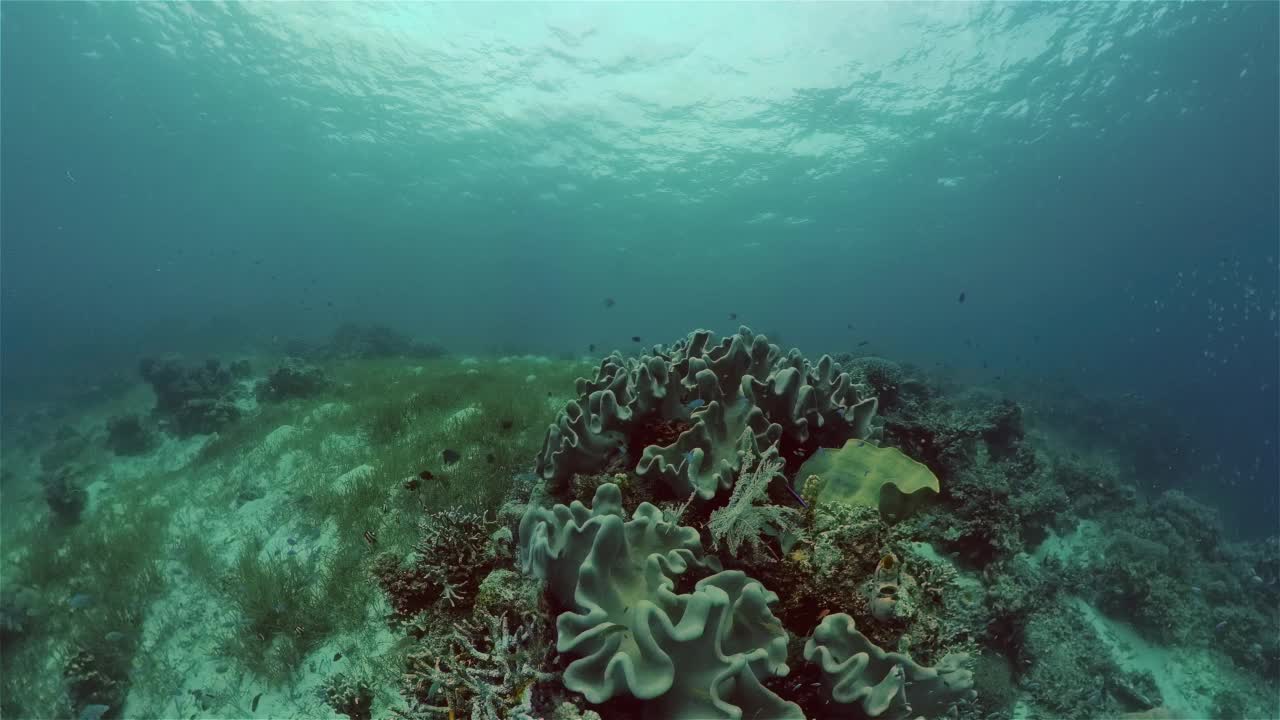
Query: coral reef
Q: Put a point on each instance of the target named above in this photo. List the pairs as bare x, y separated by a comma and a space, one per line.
718, 401
455, 551
96, 684
191, 400
697, 654
365, 341
65, 494
1058, 649
883, 684
486, 670
126, 435
349, 696
293, 379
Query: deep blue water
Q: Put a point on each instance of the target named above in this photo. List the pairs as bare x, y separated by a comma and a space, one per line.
1099, 179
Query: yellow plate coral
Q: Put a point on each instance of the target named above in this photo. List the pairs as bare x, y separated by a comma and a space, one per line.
861, 473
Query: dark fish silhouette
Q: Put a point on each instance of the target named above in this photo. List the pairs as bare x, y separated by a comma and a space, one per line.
491, 458
426, 475
506, 423
864, 342
961, 301
635, 338
450, 456
733, 316
591, 347
337, 657
610, 302
253, 706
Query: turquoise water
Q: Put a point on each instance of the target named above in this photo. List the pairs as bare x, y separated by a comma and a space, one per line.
1074, 205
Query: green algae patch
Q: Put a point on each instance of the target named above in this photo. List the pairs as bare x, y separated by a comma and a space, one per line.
862, 474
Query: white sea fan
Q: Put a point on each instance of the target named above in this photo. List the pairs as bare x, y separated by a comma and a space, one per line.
749, 512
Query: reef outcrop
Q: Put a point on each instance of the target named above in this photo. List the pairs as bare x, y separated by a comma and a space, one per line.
698, 654
686, 415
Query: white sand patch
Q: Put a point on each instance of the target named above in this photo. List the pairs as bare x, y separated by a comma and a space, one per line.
353, 477
277, 438
461, 417
1177, 675
327, 411
1081, 542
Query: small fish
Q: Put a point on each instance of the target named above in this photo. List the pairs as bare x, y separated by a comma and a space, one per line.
80, 601
292, 541
426, 475
1255, 580
1220, 626
491, 458
961, 300
292, 552
253, 706
610, 302
591, 347
115, 636
410, 484
93, 712
450, 456
1195, 589
506, 423
695, 404
864, 342
635, 338
371, 537
337, 656
733, 316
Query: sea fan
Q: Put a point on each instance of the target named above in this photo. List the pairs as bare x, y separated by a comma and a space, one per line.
749, 513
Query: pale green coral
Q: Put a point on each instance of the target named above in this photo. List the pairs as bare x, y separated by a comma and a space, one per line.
740, 395
862, 474
882, 684
701, 654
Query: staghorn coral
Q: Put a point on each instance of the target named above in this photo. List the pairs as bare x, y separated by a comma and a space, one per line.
883, 684
486, 671
693, 655
456, 551
719, 401
348, 696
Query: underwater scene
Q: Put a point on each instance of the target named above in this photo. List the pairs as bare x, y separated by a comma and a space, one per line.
582, 361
